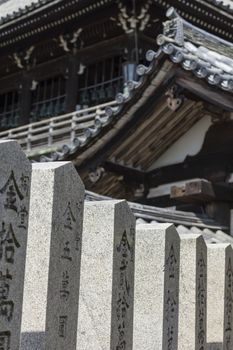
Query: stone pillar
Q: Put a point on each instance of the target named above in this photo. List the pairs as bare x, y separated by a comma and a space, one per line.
228, 304
193, 291
51, 291
107, 277
15, 179
156, 287
219, 296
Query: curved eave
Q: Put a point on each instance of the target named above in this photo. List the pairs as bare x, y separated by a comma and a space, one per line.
153, 78
115, 118
214, 77
40, 5
195, 50
154, 82
222, 5
26, 10
45, 16
38, 17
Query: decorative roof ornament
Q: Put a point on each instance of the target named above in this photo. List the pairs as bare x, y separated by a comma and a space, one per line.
24, 59
174, 98
130, 21
196, 50
68, 42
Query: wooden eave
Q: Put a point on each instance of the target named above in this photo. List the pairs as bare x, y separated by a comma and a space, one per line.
53, 15
49, 21
145, 103
142, 134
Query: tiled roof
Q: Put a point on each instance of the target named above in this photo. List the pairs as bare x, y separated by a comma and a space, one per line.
226, 5
10, 9
185, 222
204, 54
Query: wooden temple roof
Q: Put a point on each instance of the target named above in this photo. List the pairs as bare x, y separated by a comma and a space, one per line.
40, 16
199, 63
128, 135
226, 5
206, 55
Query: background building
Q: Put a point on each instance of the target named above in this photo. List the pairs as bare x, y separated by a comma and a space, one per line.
136, 93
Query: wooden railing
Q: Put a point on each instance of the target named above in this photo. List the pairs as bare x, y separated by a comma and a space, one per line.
54, 130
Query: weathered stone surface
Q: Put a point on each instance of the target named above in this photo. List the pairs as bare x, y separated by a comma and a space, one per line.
192, 293
107, 277
156, 287
214, 346
219, 270
51, 290
15, 178
228, 306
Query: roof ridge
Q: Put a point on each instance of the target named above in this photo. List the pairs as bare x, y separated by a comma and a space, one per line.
164, 214
35, 4
221, 4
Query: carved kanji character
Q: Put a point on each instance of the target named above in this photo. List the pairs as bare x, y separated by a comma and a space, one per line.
23, 213
66, 252
12, 192
5, 340
64, 292
69, 217
7, 309
4, 285
8, 243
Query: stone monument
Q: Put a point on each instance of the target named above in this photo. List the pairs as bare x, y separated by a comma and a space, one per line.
52, 274
219, 296
192, 292
15, 179
156, 287
107, 277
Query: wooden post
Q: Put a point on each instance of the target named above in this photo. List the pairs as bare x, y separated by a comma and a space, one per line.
231, 222
25, 99
71, 83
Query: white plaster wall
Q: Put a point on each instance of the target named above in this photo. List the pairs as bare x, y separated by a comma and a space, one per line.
188, 145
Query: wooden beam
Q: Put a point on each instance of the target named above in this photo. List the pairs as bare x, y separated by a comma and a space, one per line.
209, 166
202, 191
217, 97
129, 173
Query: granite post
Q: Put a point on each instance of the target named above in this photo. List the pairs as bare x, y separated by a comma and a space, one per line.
52, 274
192, 293
228, 304
107, 277
156, 287
219, 296
15, 179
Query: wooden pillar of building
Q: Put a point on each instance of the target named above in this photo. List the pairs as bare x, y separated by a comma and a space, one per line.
71, 83
25, 99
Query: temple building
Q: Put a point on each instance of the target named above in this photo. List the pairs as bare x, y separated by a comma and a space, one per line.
136, 93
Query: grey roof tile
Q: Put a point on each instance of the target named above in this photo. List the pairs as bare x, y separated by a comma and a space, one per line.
8, 7
207, 56
226, 5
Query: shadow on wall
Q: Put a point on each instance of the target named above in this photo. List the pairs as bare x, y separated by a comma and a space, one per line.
33, 340
214, 346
